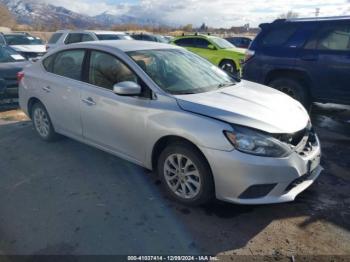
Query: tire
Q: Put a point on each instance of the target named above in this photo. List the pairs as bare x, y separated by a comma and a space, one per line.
42, 123
292, 88
196, 174
229, 67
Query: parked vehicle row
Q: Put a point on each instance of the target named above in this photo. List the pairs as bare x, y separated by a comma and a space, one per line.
11, 62
162, 107
66, 37
215, 49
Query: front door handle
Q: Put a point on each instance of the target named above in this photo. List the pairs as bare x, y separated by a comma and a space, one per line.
89, 101
47, 89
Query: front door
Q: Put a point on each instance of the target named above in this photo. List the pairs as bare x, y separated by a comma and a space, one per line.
114, 122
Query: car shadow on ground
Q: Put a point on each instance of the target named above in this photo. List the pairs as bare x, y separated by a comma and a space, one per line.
66, 197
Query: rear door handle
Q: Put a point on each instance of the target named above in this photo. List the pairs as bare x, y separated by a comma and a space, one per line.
89, 101
47, 89
309, 57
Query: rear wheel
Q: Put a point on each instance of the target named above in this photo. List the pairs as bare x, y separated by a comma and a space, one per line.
292, 88
185, 174
42, 123
229, 67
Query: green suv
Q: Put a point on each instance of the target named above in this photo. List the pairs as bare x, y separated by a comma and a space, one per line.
218, 51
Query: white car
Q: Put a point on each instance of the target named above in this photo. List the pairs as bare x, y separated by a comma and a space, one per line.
173, 112
31, 47
66, 37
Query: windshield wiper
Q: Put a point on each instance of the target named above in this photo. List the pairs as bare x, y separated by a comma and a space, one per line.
225, 84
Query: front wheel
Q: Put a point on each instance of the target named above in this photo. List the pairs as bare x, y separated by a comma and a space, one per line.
185, 174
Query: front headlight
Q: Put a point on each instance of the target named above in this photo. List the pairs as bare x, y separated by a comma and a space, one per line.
257, 143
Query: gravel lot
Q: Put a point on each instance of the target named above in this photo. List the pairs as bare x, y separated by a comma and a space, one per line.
69, 198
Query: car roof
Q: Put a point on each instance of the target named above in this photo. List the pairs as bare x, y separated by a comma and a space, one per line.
126, 45
313, 19
98, 32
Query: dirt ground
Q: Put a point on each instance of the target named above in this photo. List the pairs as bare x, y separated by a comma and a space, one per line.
69, 198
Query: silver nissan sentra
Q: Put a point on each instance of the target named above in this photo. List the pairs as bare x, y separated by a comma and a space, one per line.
203, 132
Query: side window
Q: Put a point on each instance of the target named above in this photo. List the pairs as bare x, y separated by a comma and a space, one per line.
54, 38
86, 38
2, 40
73, 38
48, 63
335, 37
69, 64
185, 42
279, 36
137, 37
201, 43
106, 70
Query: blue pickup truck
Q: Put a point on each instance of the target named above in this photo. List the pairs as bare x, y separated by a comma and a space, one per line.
309, 59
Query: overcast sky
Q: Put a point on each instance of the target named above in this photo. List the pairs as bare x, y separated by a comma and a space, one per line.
216, 13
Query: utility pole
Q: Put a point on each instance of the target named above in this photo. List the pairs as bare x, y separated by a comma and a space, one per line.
317, 12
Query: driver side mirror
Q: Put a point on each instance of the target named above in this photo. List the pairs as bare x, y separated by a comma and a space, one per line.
127, 88
211, 47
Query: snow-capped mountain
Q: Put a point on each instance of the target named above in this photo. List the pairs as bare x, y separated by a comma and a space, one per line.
35, 12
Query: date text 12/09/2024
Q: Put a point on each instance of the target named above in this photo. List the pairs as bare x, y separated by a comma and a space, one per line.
173, 258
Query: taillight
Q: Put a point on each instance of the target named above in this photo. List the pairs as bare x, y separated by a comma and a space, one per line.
47, 47
20, 76
248, 55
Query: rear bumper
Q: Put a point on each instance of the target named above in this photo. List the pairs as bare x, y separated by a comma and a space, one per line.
237, 175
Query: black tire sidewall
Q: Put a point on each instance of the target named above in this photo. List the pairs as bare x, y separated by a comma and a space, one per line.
232, 64
207, 185
298, 89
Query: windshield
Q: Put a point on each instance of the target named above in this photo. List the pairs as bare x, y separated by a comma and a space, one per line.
180, 71
23, 40
113, 37
9, 55
222, 43
161, 39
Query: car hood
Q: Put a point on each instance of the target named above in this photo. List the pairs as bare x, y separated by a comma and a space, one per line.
249, 104
236, 50
30, 48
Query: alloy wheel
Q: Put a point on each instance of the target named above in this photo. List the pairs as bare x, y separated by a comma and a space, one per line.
41, 122
182, 176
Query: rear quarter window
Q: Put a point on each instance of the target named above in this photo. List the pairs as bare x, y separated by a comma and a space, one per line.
184, 42
54, 38
278, 35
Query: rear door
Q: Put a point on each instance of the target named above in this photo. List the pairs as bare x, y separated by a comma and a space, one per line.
60, 87
327, 59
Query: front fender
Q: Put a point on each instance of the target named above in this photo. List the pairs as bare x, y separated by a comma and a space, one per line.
172, 121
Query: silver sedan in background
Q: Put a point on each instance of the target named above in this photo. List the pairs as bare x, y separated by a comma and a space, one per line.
203, 132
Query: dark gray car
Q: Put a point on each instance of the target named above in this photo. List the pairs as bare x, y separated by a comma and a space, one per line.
11, 63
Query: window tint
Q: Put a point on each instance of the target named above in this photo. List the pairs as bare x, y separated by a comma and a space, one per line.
48, 63
86, 38
106, 70
113, 37
279, 36
336, 37
23, 39
201, 43
73, 38
185, 42
69, 64
137, 37
54, 38
2, 40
